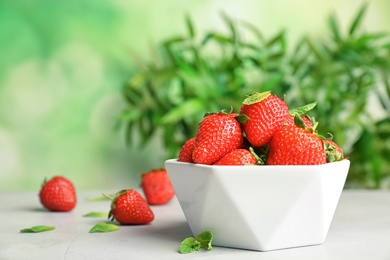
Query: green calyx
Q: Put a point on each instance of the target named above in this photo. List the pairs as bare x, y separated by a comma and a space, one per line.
299, 122
260, 160
256, 97
241, 118
332, 155
222, 112
113, 200
303, 109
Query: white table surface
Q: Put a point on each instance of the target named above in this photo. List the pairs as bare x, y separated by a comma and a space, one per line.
360, 230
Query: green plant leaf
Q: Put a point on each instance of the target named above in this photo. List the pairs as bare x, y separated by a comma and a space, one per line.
358, 19
314, 49
96, 214
205, 238
232, 27
334, 27
278, 38
190, 26
217, 37
187, 108
255, 31
37, 229
103, 227
189, 245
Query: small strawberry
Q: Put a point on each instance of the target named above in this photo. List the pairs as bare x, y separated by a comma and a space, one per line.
185, 154
265, 114
333, 151
128, 207
217, 135
237, 157
157, 187
58, 194
293, 145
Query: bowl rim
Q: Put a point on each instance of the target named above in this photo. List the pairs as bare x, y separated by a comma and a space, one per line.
176, 161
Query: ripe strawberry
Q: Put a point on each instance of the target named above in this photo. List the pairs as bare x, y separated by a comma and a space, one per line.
217, 135
292, 145
333, 151
237, 157
128, 207
265, 114
58, 194
157, 187
185, 154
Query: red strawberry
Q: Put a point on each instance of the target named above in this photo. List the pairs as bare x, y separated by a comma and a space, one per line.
265, 114
185, 154
217, 135
237, 157
128, 207
292, 145
58, 194
333, 151
157, 187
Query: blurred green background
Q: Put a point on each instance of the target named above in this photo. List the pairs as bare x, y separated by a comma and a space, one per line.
63, 66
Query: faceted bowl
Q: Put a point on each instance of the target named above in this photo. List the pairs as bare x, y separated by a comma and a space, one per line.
259, 208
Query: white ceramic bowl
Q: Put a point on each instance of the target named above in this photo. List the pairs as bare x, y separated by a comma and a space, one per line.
259, 208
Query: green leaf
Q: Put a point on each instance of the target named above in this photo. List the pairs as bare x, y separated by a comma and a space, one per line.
96, 214
37, 229
303, 109
186, 109
100, 198
279, 38
103, 227
231, 26
205, 238
189, 245
334, 28
314, 49
356, 22
256, 97
255, 31
216, 37
190, 26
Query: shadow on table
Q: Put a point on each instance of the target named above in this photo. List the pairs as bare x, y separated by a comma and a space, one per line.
175, 231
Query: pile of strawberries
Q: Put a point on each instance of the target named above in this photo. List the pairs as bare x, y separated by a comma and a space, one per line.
264, 132
128, 207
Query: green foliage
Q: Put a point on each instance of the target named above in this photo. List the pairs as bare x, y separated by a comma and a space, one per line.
344, 72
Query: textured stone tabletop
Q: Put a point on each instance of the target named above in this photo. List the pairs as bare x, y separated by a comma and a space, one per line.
360, 230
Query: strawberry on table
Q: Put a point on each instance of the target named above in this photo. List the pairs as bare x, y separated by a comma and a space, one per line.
185, 154
128, 207
157, 187
58, 194
217, 135
238, 157
293, 145
265, 114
